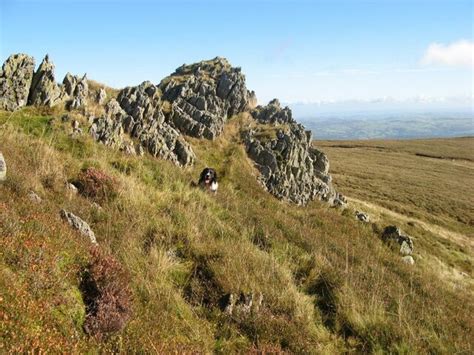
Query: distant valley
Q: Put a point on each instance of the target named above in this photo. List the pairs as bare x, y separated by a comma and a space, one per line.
389, 125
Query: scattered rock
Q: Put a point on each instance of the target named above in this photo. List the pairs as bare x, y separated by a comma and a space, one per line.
77, 223
244, 303
408, 259
340, 200
204, 95
44, 89
3, 168
15, 81
101, 96
33, 196
362, 216
76, 129
393, 234
291, 168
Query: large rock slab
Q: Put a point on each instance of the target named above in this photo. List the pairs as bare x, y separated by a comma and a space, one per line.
204, 95
291, 168
44, 89
15, 81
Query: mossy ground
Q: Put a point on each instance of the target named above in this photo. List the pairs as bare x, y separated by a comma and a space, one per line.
328, 282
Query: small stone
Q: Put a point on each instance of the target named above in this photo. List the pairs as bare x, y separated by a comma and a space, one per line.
362, 216
408, 259
33, 196
229, 308
79, 224
3, 168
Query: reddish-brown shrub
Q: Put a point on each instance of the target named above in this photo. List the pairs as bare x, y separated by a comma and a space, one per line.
97, 185
107, 295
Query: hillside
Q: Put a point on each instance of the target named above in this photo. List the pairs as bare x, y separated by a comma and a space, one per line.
425, 185
265, 265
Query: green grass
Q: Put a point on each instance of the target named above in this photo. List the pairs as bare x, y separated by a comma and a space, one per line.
329, 284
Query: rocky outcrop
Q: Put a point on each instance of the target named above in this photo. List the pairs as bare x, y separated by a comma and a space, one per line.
393, 235
138, 113
273, 113
3, 168
204, 95
291, 169
76, 90
77, 223
15, 81
44, 89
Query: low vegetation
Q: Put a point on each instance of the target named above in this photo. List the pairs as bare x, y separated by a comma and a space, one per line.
171, 255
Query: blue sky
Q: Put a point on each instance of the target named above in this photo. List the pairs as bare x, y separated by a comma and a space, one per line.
296, 50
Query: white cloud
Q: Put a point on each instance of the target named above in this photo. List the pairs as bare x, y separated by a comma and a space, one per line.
456, 54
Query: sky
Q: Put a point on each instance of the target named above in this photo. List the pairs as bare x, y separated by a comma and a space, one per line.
299, 51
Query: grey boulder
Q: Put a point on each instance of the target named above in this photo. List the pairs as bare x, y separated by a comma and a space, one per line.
393, 234
76, 90
15, 81
362, 216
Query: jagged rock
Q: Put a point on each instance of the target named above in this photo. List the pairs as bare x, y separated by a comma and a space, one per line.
3, 168
33, 196
76, 89
394, 234
77, 223
44, 89
362, 216
108, 129
291, 169
204, 95
15, 81
273, 113
101, 96
144, 120
408, 259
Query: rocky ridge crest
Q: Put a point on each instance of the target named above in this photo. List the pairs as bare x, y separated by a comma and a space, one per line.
196, 100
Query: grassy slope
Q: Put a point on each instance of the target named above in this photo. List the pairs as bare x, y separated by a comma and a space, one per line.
423, 185
329, 284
